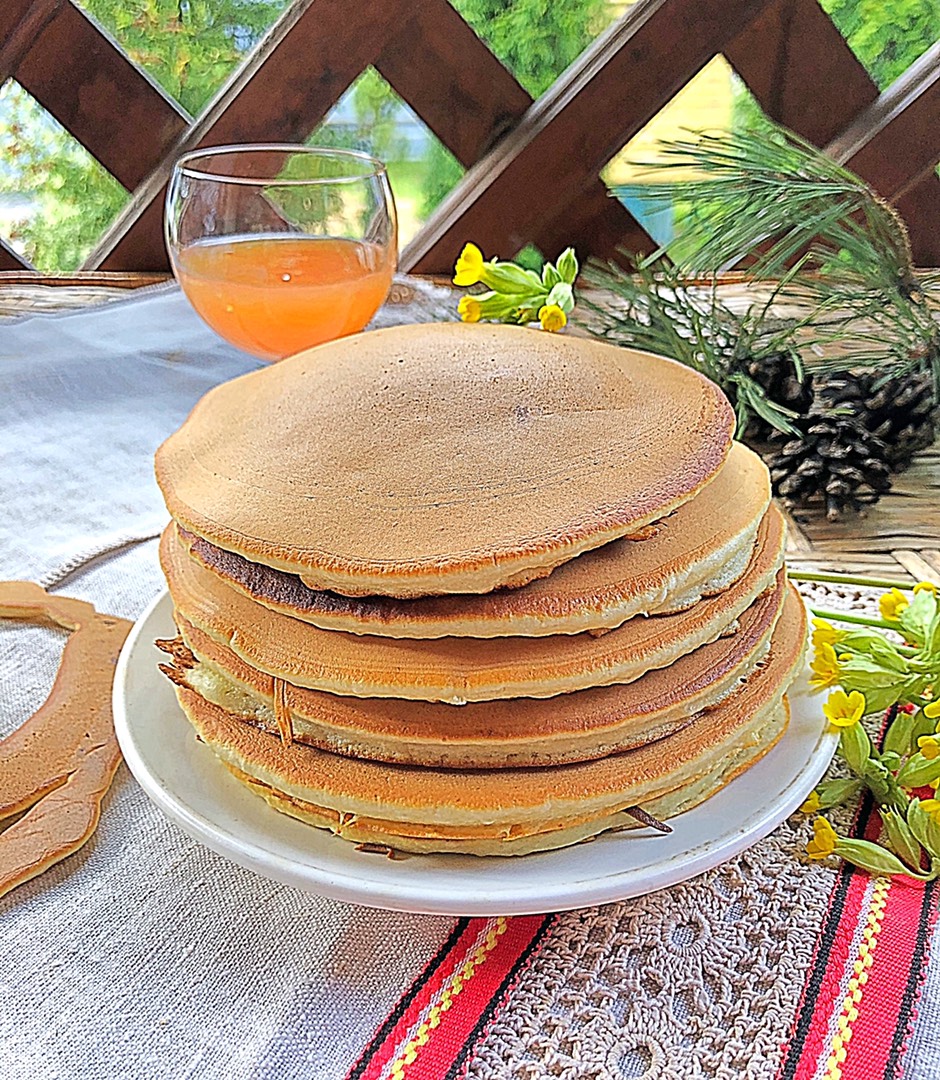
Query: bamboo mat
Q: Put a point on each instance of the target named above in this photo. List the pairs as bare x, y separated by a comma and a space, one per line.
25, 293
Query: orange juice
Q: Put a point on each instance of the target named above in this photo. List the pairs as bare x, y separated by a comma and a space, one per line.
275, 295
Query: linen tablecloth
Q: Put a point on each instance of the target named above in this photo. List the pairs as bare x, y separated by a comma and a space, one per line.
146, 955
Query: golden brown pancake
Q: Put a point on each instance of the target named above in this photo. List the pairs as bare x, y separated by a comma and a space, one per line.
697, 551
442, 458
458, 670
512, 811
487, 734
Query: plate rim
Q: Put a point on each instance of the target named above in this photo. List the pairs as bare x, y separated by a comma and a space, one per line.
372, 891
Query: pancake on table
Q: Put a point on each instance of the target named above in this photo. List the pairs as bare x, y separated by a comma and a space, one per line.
459, 670
443, 458
475, 589
699, 550
512, 811
489, 734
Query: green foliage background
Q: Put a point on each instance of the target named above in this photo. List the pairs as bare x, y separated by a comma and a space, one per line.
190, 46
887, 35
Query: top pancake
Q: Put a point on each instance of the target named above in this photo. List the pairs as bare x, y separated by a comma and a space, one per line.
696, 552
444, 458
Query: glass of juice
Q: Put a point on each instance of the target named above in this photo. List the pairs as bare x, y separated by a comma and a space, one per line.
280, 247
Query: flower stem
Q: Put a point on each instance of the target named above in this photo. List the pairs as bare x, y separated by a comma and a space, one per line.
849, 579
861, 620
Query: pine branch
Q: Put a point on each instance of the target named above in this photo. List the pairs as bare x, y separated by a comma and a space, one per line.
775, 199
655, 311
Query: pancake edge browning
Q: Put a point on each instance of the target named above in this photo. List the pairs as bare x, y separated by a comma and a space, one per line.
459, 670
512, 811
677, 576
773, 725
494, 734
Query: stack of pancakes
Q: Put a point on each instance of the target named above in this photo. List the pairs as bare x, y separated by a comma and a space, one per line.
476, 588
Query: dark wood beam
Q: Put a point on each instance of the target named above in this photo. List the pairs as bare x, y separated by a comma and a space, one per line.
470, 101
279, 94
10, 260
801, 70
805, 76
894, 143
450, 78
544, 165
76, 71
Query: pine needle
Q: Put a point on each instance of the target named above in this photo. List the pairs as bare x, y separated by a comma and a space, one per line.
772, 199
654, 310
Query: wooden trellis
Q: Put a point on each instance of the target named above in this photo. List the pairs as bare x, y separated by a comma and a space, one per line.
533, 166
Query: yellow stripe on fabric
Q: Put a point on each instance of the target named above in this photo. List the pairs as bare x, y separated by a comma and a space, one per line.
451, 988
853, 995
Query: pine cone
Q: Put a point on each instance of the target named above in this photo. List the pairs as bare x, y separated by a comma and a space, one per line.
902, 412
777, 375
834, 458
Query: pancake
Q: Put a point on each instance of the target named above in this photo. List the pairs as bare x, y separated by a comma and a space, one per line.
489, 734
512, 811
697, 551
442, 458
458, 670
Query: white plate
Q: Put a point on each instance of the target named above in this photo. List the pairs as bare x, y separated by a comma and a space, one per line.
186, 781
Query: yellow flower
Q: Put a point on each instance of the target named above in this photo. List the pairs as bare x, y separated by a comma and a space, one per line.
892, 604
825, 667
925, 586
824, 633
552, 317
824, 840
469, 309
469, 267
929, 747
932, 807
811, 804
932, 711
843, 710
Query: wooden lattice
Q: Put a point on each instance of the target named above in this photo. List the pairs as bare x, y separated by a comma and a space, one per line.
533, 166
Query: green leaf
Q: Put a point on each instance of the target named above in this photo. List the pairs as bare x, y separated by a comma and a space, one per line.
901, 838
917, 618
877, 699
866, 670
561, 295
550, 276
922, 725
879, 780
883, 652
924, 827
898, 738
919, 771
506, 277
856, 748
873, 858
837, 792
568, 265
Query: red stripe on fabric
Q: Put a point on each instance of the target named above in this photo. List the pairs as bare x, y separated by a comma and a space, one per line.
457, 956
457, 1024
874, 1030
491, 1012
830, 996
911, 1005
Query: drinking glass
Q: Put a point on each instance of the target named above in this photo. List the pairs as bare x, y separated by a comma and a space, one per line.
280, 247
